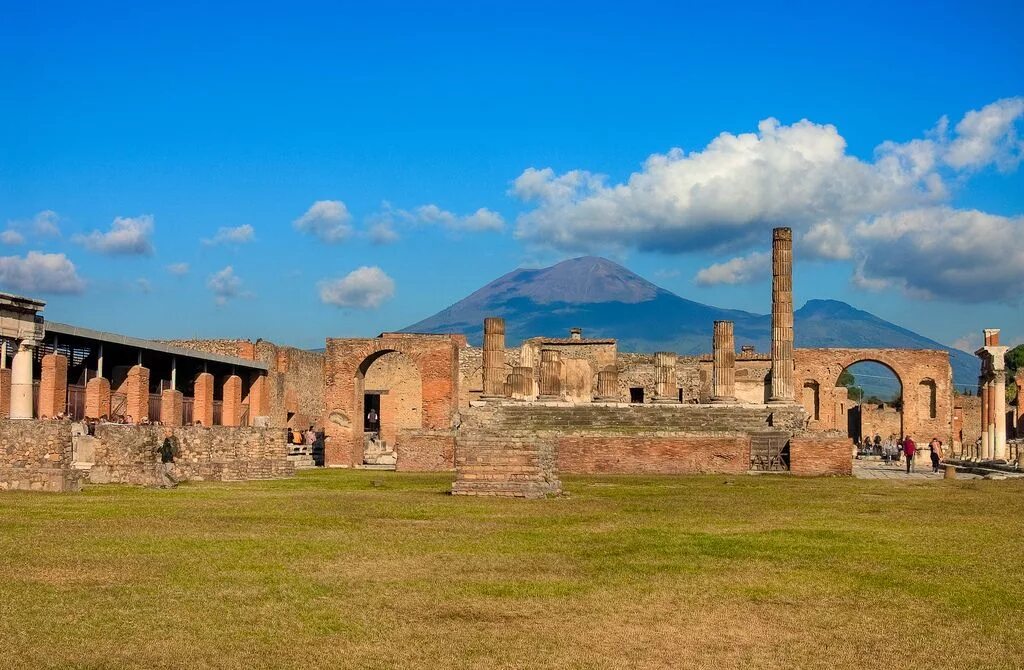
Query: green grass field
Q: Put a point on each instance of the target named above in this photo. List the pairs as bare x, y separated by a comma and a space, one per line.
330, 570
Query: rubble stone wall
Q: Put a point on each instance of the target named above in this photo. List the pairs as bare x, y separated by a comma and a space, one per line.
35, 455
426, 451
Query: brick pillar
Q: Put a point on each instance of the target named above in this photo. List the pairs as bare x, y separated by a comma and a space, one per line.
999, 415
170, 407
494, 357
665, 385
522, 383
136, 390
782, 316
1020, 404
53, 386
5, 393
608, 384
550, 374
202, 404
97, 398
231, 413
723, 372
259, 404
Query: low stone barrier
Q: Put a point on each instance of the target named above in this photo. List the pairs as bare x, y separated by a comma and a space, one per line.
36, 456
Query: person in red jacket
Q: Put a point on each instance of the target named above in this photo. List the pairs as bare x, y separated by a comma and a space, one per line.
909, 449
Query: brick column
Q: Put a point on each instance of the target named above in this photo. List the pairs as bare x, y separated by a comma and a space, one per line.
259, 404
999, 415
136, 389
5, 392
202, 404
1020, 403
171, 407
97, 398
782, 316
550, 374
723, 366
665, 386
494, 357
53, 386
231, 413
608, 384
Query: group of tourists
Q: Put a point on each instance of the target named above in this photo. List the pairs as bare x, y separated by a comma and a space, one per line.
893, 450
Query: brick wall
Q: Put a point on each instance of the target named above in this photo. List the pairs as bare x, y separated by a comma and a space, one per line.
426, 451
820, 454
130, 454
53, 386
36, 456
508, 465
666, 455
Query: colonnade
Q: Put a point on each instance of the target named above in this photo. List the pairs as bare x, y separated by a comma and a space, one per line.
992, 391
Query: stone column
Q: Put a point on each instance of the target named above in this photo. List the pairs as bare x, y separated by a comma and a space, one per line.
999, 415
665, 386
522, 383
202, 404
550, 374
97, 398
231, 410
608, 384
136, 390
782, 316
723, 366
171, 407
53, 386
21, 382
987, 423
1020, 404
494, 357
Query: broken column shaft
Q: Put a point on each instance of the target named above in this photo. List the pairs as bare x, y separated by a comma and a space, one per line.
608, 384
665, 387
723, 366
550, 374
494, 357
782, 315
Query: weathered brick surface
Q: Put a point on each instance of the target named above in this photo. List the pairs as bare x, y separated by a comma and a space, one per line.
5, 393
231, 413
347, 360
511, 465
36, 456
667, 454
136, 389
53, 386
202, 407
97, 398
171, 407
820, 454
425, 451
131, 454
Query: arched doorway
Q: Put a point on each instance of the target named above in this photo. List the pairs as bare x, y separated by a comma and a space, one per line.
389, 399
869, 401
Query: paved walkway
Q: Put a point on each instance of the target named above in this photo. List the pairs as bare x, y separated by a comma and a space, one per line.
874, 468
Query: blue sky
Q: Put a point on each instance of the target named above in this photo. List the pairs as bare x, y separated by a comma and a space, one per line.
447, 144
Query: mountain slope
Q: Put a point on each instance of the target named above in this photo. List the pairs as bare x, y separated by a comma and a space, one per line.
608, 300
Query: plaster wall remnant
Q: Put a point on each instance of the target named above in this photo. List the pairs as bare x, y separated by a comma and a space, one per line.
724, 363
782, 316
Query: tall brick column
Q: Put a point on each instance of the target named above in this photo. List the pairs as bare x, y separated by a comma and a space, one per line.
665, 386
259, 400
231, 412
550, 374
53, 386
171, 407
782, 316
608, 384
136, 390
494, 357
202, 404
723, 365
5, 392
97, 398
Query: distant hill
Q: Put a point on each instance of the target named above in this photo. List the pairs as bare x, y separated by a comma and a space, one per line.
608, 300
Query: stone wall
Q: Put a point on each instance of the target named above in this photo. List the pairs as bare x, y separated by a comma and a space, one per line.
882, 420
654, 454
426, 451
815, 454
131, 454
397, 379
35, 455
966, 423
509, 465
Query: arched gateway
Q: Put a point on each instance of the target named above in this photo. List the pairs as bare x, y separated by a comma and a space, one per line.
431, 363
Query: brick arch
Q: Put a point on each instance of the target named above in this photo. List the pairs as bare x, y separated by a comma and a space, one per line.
346, 361
911, 367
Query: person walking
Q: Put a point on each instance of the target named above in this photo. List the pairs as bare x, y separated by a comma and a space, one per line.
936, 453
909, 449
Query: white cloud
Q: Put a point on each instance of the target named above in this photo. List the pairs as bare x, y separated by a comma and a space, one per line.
382, 232
224, 285
826, 240
237, 235
482, 220
988, 136
46, 223
740, 270
40, 273
12, 237
365, 288
328, 220
178, 269
932, 252
127, 236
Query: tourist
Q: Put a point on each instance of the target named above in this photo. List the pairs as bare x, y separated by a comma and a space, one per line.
296, 436
878, 444
936, 453
373, 419
899, 450
909, 449
310, 438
